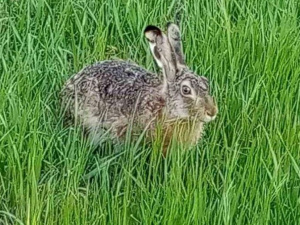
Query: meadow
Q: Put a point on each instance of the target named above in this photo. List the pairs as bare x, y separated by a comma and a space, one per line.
245, 170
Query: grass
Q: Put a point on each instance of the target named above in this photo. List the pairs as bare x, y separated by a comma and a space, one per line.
246, 170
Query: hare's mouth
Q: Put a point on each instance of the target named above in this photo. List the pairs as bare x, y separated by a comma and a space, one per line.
208, 118
203, 118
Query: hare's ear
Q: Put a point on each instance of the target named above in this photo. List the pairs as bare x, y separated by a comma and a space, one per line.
174, 38
162, 51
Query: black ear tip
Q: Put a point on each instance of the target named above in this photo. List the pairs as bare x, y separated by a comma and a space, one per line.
153, 29
169, 24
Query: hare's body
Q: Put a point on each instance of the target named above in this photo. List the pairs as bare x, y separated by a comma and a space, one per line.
115, 95
112, 95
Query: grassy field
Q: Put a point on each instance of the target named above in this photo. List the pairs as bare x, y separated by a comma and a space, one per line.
246, 170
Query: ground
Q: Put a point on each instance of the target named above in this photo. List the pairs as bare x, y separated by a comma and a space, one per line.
246, 170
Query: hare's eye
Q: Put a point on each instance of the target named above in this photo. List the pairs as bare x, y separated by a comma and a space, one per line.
186, 90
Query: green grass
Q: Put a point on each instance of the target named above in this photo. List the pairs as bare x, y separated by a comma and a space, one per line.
246, 170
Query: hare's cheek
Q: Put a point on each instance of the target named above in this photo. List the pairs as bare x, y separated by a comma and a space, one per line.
197, 110
199, 104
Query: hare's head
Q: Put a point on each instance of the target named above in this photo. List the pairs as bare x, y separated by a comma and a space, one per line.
188, 93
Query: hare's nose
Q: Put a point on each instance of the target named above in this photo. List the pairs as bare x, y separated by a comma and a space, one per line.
212, 112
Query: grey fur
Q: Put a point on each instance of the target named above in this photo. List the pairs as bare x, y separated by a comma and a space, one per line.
111, 95
174, 38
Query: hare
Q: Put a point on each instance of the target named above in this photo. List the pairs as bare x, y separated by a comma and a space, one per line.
114, 95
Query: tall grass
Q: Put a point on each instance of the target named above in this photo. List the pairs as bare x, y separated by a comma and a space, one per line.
246, 170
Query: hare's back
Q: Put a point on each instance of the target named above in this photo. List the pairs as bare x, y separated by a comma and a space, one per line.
119, 79
114, 85
120, 71
110, 74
